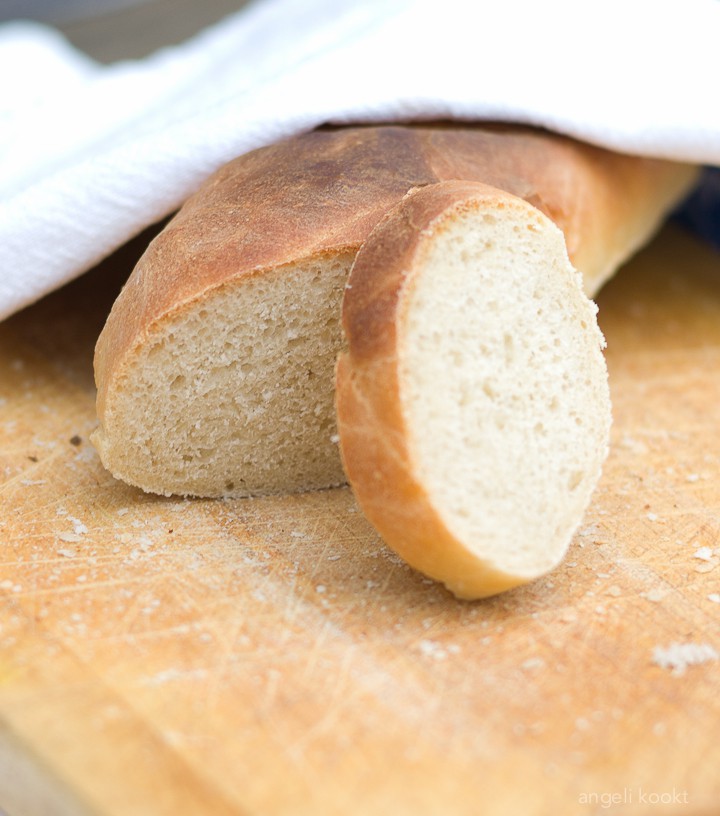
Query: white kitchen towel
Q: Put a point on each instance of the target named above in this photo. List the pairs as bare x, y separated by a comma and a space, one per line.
91, 154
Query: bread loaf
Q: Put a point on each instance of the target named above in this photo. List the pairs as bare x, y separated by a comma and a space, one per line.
473, 406
215, 370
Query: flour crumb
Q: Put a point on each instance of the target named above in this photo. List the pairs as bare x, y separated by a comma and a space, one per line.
78, 527
69, 538
692, 477
429, 648
704, 554
652, 517
714, 597
590, 530
678, 656
655, 595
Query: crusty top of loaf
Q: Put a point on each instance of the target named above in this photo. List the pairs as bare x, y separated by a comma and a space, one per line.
325, 191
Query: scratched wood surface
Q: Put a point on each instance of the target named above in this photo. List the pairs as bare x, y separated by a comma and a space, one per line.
162, 656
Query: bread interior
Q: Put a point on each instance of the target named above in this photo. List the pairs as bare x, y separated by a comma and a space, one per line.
503, 384
234, 394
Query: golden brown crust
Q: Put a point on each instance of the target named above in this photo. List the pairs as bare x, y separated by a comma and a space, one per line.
326, 190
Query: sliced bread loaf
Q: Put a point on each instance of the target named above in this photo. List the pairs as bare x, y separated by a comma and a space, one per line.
215, 370
473, 405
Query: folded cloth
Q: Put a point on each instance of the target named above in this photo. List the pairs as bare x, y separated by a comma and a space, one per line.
91, 154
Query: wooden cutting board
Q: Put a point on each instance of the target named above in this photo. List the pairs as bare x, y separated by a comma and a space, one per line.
162, 656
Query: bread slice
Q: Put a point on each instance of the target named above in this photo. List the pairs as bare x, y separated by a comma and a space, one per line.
473, 405
215, 370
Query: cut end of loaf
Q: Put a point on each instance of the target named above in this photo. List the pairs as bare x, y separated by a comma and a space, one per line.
483, 468
504, 388
232, 395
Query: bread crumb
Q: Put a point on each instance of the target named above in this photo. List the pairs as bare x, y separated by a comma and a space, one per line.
714, 597
704, 553
429, 648
145, 543
678, 656
655, 595
78, 527
590, 530
652, 517
692, 477
67, 553
69, 538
